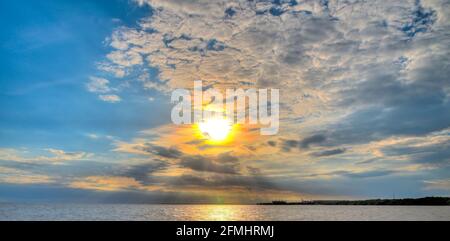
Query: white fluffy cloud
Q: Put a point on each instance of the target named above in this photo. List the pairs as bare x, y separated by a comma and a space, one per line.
312, 50
110, 98
98, 85
101, 86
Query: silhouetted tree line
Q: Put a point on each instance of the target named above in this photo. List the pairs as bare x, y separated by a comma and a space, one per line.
426, 201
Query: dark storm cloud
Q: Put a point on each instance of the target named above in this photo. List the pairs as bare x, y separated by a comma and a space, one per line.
143, 172
272, 143
254, 170
329, 152
256, 181
227, 158
225, 181
288, 144
314, 139
167, 152
205, 164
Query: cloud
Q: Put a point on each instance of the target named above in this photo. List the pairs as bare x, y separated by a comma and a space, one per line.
222, 163
428, 151
288, 144
305, 143
315, 139
204, 164
125, 58
105, 183
278, 43
55, 156
93, 136
110, 98
433, 150
225, 181
355, 174
272, 143
101, 86
369, 174
227, 158
117, 71
364, 78
329, 152
170, 152
440, 184
17, 176
143, 172
98, 85
61, 155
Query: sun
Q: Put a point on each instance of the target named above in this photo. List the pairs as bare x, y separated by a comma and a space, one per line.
217, 129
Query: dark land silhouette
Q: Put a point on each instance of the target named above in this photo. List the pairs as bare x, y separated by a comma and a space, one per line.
426, 201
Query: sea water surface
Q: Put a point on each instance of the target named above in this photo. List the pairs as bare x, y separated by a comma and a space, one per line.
218, 212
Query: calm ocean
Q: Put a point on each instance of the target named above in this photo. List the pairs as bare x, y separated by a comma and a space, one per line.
218, 212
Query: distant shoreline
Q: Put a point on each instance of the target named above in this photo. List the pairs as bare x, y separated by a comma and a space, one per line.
426, 201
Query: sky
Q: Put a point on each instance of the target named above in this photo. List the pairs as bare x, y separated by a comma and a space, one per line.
85, 99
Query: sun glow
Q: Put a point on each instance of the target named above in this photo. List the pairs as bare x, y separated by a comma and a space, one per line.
215, 129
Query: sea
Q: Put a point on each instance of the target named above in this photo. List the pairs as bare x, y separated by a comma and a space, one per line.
152, 212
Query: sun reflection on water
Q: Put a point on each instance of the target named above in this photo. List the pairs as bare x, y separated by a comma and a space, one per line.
221, 213
217, 213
